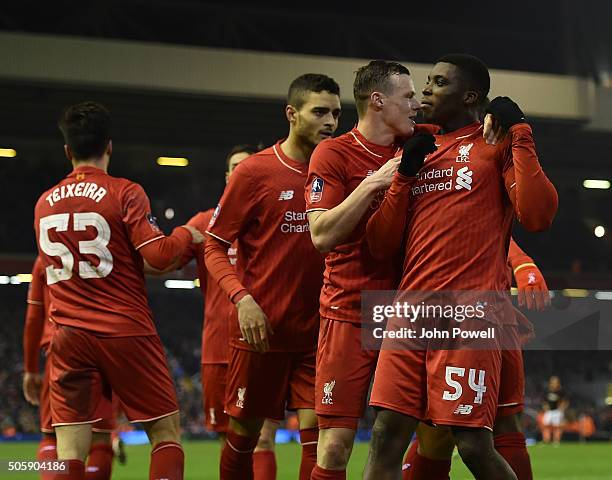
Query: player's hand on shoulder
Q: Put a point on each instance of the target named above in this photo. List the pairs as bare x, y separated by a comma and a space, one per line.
254, 324
502, 114
196, 235
32, 384
532, 289
416, 149
382, 178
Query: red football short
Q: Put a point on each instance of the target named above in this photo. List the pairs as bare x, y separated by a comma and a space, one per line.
107, 424
85, 369
264, 385
446, 387
213, 389
512, 387
344, 374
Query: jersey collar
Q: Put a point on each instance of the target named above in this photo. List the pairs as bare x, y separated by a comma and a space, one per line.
301, 168
378, 151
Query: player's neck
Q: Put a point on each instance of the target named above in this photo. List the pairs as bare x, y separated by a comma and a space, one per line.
101, 164
296, 150
459, 122
375, 132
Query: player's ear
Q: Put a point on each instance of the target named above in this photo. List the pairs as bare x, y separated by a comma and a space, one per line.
377, 99
109, 148
227, 177
291, 113
68, 152
471, 98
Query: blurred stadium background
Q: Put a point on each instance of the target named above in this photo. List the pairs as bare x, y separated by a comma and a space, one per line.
188, 79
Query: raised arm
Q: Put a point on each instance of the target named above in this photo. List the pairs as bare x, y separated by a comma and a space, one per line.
385, 229
533, 195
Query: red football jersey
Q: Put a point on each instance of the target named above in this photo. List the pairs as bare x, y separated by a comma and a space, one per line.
217, 307
89, 228
460, 216
263, 209
337, 167
38, 294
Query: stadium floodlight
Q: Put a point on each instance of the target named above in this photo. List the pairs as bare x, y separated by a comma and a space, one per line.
603, 295
7, 152
576, 292
169, 213
172, 161
24, 277
5, 279
196, 283
185, 284
596, 184
599, 231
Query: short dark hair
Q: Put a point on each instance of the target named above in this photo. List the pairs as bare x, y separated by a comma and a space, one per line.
372, 77
473, 70
242, 148
310, 82
86, 128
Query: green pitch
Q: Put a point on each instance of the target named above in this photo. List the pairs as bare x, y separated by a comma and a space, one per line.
570, 461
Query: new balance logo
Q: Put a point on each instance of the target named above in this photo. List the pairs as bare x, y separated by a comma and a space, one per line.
464, 179
463, 410
327, 393
241, 394
286, 195
464, 153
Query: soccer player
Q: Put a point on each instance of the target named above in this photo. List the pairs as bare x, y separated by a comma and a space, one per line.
93, 231
215, 339
346, 181
277, 280
454, 238
432, 459
37, 335
555, 405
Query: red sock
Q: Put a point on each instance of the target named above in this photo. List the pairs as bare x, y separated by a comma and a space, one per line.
167, 461
76, 471
409, 460
416, 467
512, 447
320, 473
47, 449
264, 465
237, 457
99, 462
309, 437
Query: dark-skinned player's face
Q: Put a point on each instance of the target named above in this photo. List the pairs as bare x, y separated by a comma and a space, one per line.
317, 119
445, 94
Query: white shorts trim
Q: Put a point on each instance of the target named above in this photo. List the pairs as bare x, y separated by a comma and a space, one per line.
154, 418
88, 422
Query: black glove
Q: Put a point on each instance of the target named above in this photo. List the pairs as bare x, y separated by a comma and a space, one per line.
415, 150
506, 112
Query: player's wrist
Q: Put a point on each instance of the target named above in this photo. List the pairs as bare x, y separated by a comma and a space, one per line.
241, 298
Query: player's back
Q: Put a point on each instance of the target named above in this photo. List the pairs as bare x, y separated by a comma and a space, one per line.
89, 227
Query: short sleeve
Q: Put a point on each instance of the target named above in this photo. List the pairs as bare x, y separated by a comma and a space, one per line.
236, 208
137, 217
326, 184
37, 285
